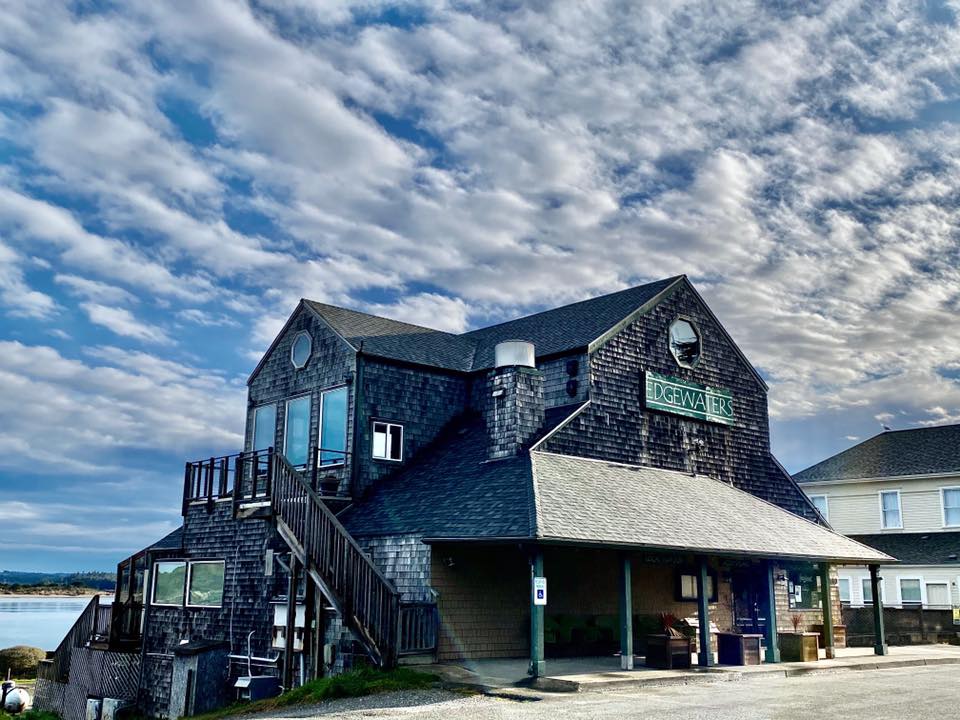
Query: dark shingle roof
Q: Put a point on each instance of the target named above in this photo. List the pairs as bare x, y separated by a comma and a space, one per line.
579, 499
552, 331
919, 451
941, 548
171, 541
452, 492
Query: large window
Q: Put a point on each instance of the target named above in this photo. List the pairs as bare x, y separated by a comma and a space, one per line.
843, 585
867, 590
938, 594
264, 427
821, 504
296, 433
910, 591
205, 584
950, 498
687, 587
387, 441
333, 426
168, 582
803, 587
890, 516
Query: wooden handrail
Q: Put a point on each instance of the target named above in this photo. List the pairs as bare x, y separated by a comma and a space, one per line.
369, 602
57, 666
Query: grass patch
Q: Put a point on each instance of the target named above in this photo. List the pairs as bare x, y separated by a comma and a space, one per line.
362, 681
30, 715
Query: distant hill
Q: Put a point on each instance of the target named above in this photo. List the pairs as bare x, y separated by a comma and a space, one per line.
16, 581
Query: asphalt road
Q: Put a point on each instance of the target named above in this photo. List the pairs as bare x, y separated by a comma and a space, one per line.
896, 694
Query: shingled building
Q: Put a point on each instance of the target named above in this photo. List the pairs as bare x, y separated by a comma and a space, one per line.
540, 488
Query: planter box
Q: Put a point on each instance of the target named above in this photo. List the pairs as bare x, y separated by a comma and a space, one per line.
839, 635
738, 649
667, 652
799, 647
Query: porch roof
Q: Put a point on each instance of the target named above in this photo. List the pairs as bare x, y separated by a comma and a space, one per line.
600, 502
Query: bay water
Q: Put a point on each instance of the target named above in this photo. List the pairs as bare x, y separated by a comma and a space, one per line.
38, 621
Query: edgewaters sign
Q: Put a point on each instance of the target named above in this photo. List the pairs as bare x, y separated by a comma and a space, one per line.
673, 395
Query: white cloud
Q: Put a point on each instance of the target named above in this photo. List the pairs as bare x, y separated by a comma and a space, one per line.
16, 295
122, 322
95, 290
429, 310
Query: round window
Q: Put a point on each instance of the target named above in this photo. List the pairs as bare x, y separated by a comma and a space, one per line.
684, 343
300, 350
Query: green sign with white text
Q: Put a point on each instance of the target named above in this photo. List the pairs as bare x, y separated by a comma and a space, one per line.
673, 395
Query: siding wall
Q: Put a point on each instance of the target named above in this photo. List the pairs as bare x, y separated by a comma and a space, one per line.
618, 427
890, 581
854, 508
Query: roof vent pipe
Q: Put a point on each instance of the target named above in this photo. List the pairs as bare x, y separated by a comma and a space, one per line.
510, 353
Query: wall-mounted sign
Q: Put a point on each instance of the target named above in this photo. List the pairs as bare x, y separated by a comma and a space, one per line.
539, 591
672, 395
956, 614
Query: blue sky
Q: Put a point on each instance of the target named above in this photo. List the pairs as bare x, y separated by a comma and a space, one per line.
175, 176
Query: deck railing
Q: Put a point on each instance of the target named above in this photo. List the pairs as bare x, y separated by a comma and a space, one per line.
56, 667
217, 478
369, 603
418, 628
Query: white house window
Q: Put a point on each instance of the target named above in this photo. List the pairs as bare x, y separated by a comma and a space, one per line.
168, 583
820, 503
684, 343
843, 585
950, 497
688, 587
911, 592
300, 349
387, 441
867, 591
205, 584
938, 594
333, 426
890, 516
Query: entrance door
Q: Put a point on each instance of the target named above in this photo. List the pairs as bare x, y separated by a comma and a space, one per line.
750, 600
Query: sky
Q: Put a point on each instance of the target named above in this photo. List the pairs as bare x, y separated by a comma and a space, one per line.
175, 176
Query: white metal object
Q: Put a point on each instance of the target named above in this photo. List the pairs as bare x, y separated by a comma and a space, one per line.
93, 709
110, 707
515, 352
280, 626
16, 701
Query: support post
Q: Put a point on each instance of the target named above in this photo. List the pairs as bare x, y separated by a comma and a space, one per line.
879, 634
309, 644
626, 613
773, 649
287, 677
705, 654
826, 600
537, 663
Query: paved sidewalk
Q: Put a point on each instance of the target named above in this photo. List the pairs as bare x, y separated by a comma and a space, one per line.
590, 674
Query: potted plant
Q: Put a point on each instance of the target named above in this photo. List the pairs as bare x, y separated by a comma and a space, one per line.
669, 649
799, 646
737, 648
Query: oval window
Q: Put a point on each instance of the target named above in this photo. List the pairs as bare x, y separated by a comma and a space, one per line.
300, 350
684, 343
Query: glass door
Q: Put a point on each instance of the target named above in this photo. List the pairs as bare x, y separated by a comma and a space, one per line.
296, 431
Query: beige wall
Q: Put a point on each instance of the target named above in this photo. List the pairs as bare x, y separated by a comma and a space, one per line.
484, 594
854, 507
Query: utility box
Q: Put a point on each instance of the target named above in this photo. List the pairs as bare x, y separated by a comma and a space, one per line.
280, 626
111, 707
94, 706
257, 687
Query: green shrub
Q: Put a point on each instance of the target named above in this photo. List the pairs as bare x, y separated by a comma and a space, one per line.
21, 661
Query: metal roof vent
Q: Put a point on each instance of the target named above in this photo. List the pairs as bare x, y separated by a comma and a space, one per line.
514, 352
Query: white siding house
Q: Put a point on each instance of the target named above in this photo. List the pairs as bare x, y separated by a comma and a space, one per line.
900, 493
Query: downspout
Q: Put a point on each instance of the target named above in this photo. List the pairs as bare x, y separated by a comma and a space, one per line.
357, 405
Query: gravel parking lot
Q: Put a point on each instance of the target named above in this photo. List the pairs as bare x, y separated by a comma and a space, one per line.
896, 694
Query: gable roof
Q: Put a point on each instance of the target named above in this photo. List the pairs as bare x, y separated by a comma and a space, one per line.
552, 332
935, 548
595, 501
455, 493
894, 453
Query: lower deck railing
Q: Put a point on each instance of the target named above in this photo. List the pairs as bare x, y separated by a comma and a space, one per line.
418, 628
56, 667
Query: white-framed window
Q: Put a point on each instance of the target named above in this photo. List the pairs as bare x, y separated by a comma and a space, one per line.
296, 430
938, 593
821, 504
890, 515
950, 502
168, 583
843, 587
387, 441
911, 591
688, 587
300, 349
866, 590
264, 427
333, 426
205, 583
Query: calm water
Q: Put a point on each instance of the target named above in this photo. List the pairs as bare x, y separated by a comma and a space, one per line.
38, 621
